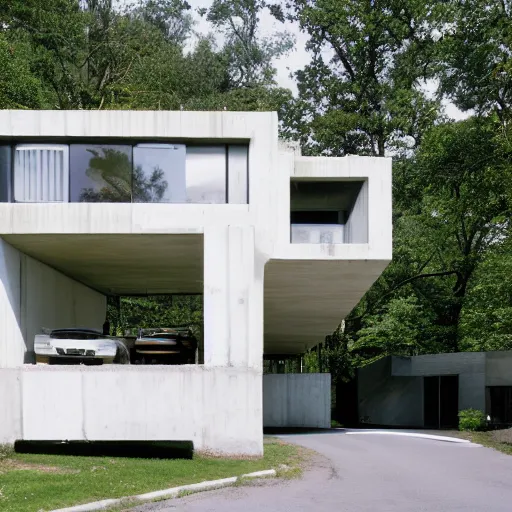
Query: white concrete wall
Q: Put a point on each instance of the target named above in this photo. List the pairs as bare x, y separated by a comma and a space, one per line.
33, 296
10, 405
297, 400
356, 229
219, 409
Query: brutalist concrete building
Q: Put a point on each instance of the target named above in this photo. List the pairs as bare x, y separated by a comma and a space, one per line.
281, 247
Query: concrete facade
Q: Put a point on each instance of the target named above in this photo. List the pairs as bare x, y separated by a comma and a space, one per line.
261, 292
391, 390
297, 400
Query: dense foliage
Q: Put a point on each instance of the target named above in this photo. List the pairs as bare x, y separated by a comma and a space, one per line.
379, 74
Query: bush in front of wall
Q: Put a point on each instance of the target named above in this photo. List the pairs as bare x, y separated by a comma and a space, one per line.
472, 420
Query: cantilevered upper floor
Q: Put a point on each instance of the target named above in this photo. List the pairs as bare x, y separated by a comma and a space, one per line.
175, 172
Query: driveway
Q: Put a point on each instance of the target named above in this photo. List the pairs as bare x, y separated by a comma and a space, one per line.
356, 473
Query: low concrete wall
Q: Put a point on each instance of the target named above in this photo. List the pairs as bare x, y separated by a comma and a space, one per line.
218, 409
10, 405
387, 400
297, 400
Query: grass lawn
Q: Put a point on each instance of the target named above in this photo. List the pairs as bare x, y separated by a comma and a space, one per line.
32, 483
500, 440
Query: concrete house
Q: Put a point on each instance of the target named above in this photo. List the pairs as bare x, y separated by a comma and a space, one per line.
281, 247
430, 390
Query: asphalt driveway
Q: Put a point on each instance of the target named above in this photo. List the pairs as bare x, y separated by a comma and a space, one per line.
356, 473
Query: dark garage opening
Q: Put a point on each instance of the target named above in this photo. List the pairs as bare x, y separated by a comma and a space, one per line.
441, 401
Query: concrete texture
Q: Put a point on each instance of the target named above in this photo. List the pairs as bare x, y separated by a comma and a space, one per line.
35, 296
370, 473
498, 368
297, 400
387, 400
218, 409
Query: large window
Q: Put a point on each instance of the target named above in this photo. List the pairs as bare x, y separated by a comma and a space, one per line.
123, 173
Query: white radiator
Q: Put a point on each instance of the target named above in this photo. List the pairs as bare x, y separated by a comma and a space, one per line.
41, 173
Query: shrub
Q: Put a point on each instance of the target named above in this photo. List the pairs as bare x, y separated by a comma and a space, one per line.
471, 420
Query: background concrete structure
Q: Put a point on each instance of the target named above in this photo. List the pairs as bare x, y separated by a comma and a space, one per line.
261, 292
391, 390
297, 400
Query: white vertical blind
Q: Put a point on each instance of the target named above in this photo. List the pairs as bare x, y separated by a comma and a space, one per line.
41, 173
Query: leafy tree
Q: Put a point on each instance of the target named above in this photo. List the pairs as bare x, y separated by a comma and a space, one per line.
361, 93
249, 55
486, 321
170, 17
462, 185
401, 328
474, 55
19, 87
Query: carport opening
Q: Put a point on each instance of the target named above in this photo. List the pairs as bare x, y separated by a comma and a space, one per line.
114, 292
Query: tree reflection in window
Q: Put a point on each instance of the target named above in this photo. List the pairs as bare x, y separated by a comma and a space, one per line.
109, 172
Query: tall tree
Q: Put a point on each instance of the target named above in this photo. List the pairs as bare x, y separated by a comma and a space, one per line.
361, 93
461, 183
249, 54
474, 55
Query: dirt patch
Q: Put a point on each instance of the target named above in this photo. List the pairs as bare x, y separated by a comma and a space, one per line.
16, 465
502, 436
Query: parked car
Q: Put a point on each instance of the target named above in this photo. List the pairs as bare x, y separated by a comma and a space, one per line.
165, 345
79, 346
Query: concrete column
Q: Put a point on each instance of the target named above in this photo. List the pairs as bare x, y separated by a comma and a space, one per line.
233, 298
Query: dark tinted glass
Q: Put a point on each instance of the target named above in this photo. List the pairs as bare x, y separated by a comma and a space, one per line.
100, 173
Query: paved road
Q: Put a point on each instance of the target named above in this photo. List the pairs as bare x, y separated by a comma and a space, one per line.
370, 473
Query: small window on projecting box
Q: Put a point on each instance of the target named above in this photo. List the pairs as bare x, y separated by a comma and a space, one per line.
328, 212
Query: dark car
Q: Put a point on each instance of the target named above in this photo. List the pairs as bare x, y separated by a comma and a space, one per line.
165, 345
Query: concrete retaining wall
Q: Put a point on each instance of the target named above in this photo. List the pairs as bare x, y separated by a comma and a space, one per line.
297, 400
387, 400
33, 296
218, 409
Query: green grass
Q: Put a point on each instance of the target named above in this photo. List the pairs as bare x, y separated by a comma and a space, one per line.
487, 439
33, 483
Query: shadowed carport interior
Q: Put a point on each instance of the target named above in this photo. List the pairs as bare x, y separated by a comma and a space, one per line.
306, 300
122, 264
